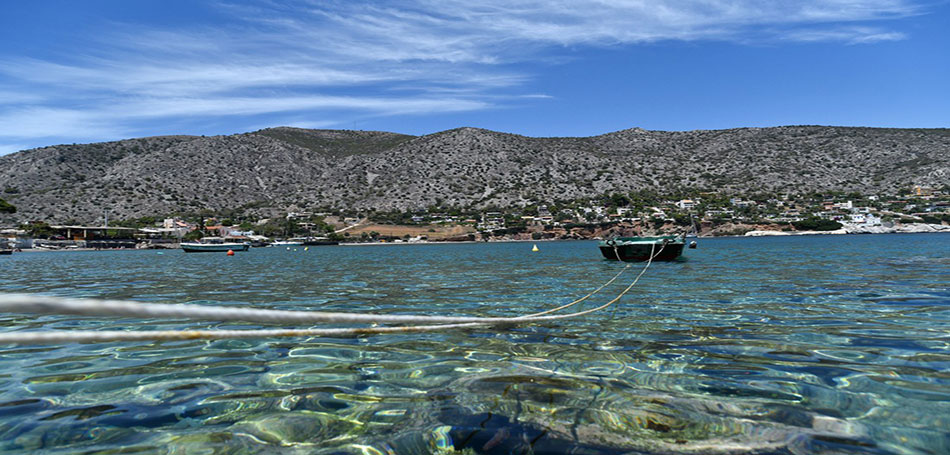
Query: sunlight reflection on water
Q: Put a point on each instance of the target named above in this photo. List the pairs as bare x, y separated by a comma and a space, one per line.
834, 344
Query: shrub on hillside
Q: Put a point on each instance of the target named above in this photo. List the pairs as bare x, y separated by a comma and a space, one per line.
6, 207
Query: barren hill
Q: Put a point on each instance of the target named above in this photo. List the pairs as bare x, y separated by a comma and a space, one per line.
281, 169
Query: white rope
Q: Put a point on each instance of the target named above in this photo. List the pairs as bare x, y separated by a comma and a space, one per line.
568, 305
26, 303
65, 336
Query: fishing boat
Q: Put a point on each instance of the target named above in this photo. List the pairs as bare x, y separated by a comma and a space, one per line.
638, 249
214, 244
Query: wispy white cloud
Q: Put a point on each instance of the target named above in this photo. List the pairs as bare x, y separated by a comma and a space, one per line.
177, 78
51, 122
848, 35
122, 118
18, 97
493, 31
239, 106
327, 59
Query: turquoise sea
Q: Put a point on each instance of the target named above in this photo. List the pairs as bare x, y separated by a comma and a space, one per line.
785, 345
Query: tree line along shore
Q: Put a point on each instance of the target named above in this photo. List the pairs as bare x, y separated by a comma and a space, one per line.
637, 213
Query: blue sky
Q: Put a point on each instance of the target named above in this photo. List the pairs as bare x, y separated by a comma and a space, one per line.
97, 70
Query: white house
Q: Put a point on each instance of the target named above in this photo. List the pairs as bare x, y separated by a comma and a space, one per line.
844, 205
865, 219
686, 204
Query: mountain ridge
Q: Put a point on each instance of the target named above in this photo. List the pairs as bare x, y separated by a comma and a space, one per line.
274, 170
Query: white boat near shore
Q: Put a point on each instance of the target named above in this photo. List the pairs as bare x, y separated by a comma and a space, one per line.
291, 242
214, 244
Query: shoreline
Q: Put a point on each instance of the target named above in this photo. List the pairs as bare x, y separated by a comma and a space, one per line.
750, 234
913, 228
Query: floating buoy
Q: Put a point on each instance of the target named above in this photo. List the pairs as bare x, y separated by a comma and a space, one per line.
306, 248
535, 248
692, 244
230, 252
288, 248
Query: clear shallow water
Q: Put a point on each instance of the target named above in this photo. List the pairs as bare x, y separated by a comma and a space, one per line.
830, 344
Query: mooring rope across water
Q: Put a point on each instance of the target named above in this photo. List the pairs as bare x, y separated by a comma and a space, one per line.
568, 305
26, 303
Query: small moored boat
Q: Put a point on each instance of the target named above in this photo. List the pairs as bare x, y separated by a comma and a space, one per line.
317, 241
214, 244
638, 249
291, 242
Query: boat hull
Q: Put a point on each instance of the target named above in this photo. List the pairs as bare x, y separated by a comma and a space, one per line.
320, 242
213, 247
638, 250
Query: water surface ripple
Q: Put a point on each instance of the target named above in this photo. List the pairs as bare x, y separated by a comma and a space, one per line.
826, 344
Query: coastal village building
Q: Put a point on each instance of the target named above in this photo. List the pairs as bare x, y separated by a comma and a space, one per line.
847, 205
165, 232
923, 191
491, 221
712, 214
77, 236
234, 231
657, 212
864, 219
686, 204
172, 223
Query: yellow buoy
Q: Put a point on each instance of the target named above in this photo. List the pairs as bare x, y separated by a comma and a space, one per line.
535, 248
306, 248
